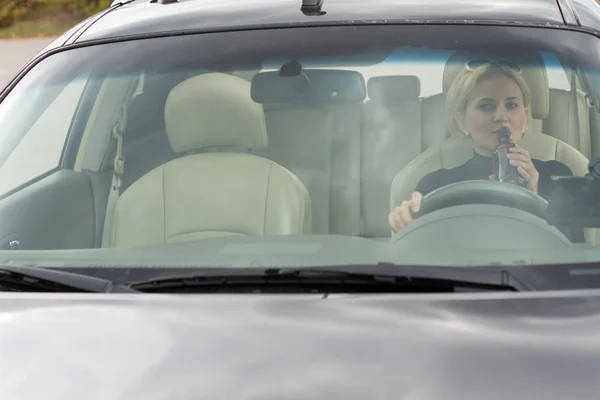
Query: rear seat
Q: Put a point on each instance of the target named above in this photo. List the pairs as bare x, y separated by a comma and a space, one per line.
318, 139
391, 138
345, 200
300, 140
563, 123
347, 153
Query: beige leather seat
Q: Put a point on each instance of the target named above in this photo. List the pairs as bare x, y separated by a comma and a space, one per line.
319, 142
454, 152
391, 138
569, 119
212, 194
299, 140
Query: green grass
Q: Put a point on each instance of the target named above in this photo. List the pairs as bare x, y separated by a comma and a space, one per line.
40, 27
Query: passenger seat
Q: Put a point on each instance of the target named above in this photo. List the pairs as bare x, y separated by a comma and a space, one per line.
212, 194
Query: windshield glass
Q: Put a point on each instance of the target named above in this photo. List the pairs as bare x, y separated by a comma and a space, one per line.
447, 145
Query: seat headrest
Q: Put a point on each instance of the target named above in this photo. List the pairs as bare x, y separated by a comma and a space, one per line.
534, 73
312, 86
212, 110
392, 89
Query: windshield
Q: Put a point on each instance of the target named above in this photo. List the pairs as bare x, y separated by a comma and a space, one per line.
445, 145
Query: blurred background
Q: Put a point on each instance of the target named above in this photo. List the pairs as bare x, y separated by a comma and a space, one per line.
27, 26
40, 18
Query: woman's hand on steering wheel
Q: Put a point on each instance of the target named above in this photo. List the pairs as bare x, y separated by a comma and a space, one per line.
401, 215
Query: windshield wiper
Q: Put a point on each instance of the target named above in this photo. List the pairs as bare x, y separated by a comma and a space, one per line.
28, 279
380, 278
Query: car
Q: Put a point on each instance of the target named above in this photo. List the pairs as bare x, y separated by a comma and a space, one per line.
208, 199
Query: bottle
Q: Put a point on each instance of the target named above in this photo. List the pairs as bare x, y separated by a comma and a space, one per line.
503, 170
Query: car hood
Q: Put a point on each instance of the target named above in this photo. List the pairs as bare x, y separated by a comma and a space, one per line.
505, 346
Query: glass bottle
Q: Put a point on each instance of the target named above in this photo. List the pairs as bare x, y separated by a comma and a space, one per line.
503, 170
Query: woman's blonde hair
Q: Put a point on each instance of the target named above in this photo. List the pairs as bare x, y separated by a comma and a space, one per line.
465, 82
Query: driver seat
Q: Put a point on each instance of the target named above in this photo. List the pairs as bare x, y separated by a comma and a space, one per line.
453, 152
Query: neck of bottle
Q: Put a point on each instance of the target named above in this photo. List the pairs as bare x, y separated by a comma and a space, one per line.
505, 138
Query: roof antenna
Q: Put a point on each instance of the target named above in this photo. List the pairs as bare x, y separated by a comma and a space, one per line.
312, 8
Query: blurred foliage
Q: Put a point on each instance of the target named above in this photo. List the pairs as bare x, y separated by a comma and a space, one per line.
12, 11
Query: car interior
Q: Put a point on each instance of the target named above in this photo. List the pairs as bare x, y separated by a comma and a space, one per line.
340, 148
209, 154
212, 194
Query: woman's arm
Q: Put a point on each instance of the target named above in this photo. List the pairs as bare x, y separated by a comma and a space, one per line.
402, 214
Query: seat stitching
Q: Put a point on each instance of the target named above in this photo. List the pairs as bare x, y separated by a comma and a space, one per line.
114, 232
192, 231
267, 198
569, 120
261, 123
164, 207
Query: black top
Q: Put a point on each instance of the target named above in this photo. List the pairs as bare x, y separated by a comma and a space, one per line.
480, 167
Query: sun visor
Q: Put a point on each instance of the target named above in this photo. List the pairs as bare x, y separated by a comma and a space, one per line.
310, 87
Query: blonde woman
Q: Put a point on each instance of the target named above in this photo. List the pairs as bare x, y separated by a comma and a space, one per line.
484, 98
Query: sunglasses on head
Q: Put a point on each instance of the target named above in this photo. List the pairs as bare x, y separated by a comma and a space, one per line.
472, 65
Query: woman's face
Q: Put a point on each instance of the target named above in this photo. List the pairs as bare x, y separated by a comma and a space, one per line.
495, 102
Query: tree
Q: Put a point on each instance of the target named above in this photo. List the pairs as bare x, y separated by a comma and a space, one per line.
15, 10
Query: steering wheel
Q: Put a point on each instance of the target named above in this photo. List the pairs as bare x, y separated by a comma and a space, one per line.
483, 192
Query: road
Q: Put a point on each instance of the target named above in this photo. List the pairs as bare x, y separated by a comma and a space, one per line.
15, 53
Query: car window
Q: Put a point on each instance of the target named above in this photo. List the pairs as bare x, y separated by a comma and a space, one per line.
40, 147
557, 76
321, 132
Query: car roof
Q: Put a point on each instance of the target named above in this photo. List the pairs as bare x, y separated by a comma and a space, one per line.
139, 17
150, 17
